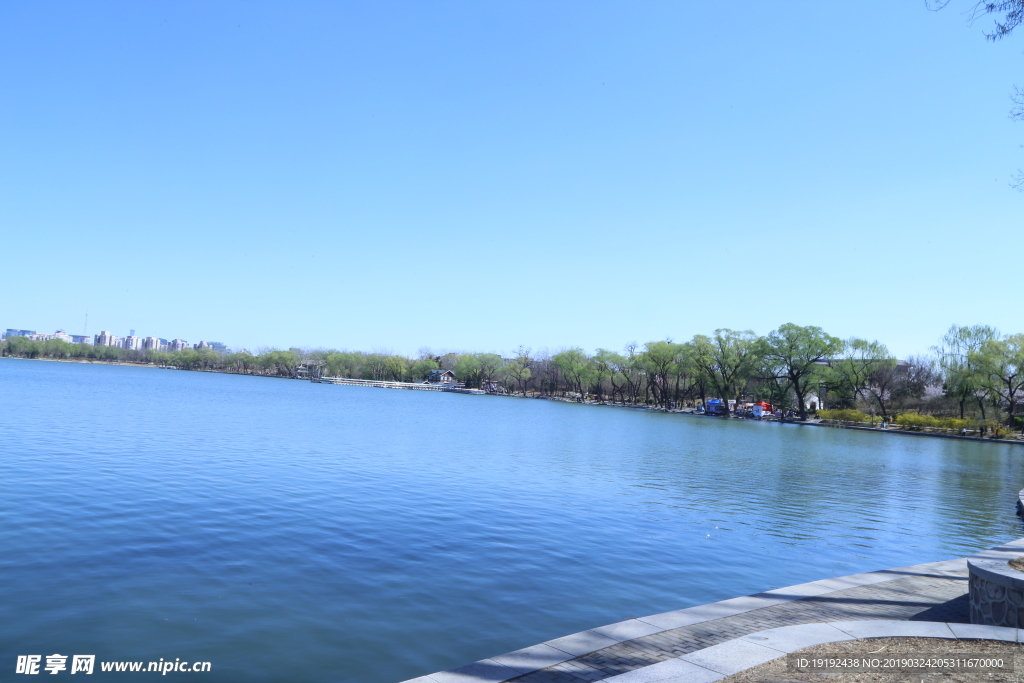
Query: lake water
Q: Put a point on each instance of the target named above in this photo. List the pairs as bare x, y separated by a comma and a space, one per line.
288, 531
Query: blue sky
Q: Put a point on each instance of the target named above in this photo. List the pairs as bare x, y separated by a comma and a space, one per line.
476, 176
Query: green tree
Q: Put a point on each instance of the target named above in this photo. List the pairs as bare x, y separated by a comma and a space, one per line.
242, 361
272, 361
798, 354
518, 369
467, 369
344, 364
702, 355
374, 366
396, 367
1000, 365
958, 362
420, 369
661, 360
490, 365
605, 364
630, 368
867, 370
574, 364
728, 360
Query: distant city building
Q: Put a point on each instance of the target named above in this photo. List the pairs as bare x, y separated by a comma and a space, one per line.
104, 338
132, 342
37, 336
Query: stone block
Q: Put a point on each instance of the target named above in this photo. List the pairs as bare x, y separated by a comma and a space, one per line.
581, 643
732, 656
665, 672
627, 630
532, 658
883, 628
980, 632
669, 620
727, 608
999, 612
792, 638
484, 671
800, 590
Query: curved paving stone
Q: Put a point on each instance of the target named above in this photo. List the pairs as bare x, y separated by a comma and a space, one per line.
898, 599
934, 592
719, 661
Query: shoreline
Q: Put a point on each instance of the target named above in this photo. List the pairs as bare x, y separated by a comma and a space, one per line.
677, 411
800, 423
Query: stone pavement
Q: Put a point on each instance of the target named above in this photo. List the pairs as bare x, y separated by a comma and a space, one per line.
934, 592
734, 656
936, 596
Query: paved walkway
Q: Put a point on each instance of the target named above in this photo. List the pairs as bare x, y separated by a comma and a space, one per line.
932, 593
931, 596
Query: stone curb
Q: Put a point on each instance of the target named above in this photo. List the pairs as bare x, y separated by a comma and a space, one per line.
527, 660
717, 662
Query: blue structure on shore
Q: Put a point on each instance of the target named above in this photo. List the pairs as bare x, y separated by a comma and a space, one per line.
716, 406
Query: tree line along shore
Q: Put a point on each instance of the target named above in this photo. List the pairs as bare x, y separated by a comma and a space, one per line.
972, 379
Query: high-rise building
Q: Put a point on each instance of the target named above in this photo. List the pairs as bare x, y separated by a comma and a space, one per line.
132, 343
151, 344
177, 345
81, 339
104, 338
